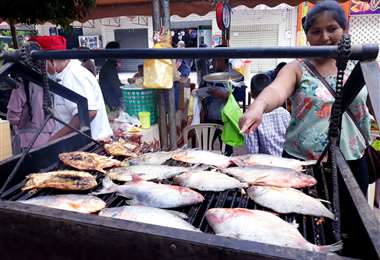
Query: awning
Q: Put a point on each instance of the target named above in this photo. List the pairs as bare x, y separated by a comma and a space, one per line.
114, 8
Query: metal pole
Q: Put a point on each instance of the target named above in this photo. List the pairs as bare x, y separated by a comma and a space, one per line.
162, 124
172, 112
363, 52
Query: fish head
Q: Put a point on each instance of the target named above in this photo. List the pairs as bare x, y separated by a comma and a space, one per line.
308, 180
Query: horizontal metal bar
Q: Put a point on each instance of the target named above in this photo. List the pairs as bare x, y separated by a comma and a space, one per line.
358, 52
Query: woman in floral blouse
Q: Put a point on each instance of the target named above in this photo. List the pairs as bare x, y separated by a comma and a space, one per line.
307, 134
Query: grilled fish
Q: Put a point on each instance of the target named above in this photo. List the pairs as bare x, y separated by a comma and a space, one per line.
152, 158
262, 227
148, 215
145, 172
203, 157
123, 148
288, 200
271, 176
270, 160
71, 202
208, 181
88, 161
146, 193
62, 180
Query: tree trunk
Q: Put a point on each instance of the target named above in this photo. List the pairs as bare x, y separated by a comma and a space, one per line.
13, 32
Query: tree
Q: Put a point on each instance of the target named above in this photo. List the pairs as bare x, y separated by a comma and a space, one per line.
62, 12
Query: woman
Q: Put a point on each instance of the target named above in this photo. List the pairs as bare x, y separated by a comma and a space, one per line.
307, 134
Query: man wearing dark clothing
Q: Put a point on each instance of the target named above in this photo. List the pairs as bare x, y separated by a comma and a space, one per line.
110, 83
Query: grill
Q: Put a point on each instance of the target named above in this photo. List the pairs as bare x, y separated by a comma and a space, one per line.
312, 228
29, 231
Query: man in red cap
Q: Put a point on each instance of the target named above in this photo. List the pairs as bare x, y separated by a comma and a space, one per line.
72, 75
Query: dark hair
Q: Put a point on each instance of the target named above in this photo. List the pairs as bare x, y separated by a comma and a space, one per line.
140, 66
113, 45
325, 6
258, 83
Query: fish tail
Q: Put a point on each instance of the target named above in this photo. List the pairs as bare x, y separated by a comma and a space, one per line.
238, 162
330, 248
108, 187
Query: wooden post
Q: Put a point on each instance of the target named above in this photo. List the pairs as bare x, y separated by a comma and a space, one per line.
13, 32
172, 112
162, 121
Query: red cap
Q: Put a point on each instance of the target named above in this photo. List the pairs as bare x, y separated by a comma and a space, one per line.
50, 43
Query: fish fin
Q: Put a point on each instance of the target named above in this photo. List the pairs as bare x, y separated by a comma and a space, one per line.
101, 170
238, 162
294, 224
199, 167
131, 201
330, 248
242, 191
177, 213
309, 162
325, 201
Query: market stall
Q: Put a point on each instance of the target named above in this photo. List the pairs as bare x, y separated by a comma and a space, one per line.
45, 232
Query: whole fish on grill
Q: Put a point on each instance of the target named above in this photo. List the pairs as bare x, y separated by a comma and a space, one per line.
261, 226
62, 180
208, 181
149, 215
145, 172
270, 160
146, 193
88, 161
123, 148
71, 202
288, 200
152, 158
203, 157
271, 176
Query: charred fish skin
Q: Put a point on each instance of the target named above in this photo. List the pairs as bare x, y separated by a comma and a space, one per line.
62, 180
149, 215
88, 161
71, 202
261, 226
146, 193
288, 200
208, 181
271, 176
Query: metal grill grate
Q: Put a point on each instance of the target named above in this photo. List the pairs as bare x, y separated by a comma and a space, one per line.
312, 228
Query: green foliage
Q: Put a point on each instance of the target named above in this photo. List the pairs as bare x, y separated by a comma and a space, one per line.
61, 12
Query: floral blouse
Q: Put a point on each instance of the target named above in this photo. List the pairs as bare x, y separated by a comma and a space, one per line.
306, 136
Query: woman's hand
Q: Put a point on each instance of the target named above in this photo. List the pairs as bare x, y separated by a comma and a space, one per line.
252, 118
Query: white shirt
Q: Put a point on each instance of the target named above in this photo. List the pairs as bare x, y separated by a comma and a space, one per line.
78, 79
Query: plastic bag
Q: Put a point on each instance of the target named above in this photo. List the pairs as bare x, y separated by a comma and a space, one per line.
159, 73
231, 114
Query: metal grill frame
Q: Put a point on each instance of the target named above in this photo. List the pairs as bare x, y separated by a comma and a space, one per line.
51, 233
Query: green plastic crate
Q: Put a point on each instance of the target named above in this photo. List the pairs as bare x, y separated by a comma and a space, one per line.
140, 100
